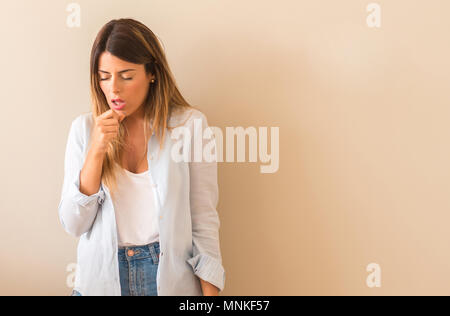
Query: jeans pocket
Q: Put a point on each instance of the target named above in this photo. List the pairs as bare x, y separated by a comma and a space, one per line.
76, 293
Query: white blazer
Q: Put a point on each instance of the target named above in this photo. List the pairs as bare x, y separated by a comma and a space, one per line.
187, 196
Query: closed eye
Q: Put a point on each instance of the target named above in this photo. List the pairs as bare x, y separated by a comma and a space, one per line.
103, 79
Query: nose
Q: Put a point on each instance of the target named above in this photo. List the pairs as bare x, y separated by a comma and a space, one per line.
115, 86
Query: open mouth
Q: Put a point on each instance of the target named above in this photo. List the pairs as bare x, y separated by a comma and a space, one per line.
118, 104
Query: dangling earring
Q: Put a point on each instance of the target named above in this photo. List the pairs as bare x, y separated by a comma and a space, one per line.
153, 80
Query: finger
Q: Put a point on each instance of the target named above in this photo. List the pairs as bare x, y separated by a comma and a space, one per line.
109, 129
107, 114
110, 121
120, 115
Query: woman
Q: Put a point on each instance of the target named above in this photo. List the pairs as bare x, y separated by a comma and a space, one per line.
147, 223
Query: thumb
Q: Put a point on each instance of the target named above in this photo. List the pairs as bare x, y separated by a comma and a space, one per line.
119, 115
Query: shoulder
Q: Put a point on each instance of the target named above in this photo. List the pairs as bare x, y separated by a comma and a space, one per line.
186, 116
83, 120
81, 125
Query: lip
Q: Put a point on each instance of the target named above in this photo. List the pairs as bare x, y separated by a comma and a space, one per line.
116, 107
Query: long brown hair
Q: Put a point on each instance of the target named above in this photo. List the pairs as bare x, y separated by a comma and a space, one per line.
134, 42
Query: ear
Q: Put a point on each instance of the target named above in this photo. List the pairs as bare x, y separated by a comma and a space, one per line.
150, 76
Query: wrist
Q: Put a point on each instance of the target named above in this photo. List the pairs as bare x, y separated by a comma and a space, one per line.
208, 289
97, 152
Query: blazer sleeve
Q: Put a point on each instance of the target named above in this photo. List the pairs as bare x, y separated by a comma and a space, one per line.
204, 194
77, 211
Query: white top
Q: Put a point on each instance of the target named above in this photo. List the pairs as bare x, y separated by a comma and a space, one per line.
135, 209
187, 194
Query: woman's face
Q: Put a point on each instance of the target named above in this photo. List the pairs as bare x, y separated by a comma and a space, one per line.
125, 81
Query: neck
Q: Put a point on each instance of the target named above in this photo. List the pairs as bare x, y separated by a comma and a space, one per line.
135, 119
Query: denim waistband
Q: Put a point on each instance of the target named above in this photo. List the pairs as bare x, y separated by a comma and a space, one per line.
140, 252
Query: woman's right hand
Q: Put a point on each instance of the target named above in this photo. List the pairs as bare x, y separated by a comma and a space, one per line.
106, 128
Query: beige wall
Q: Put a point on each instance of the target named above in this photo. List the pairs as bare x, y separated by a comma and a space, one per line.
363, 117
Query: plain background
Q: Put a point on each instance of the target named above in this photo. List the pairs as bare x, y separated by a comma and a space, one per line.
363, 113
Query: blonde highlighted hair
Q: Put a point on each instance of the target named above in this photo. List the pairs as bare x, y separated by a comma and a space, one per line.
134, 42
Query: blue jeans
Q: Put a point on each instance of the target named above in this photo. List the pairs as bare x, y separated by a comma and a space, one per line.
137, 267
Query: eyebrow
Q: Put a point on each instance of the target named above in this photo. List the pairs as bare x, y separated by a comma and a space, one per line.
118, 72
